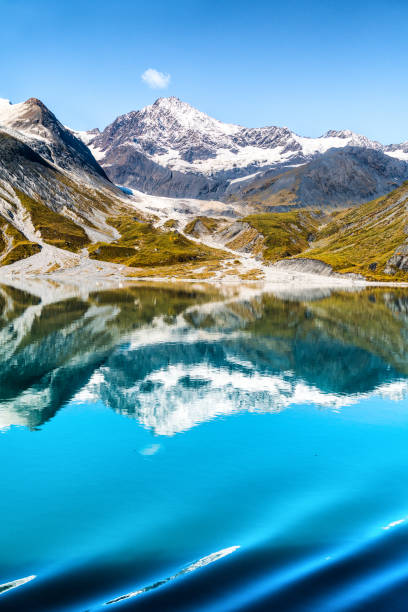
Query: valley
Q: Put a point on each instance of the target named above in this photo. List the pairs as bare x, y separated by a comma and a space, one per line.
338, 213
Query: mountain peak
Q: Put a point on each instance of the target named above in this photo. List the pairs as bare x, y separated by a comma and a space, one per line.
34, 123
340, 134
36, 102
180, 116
23, 115
168, 101
176, 106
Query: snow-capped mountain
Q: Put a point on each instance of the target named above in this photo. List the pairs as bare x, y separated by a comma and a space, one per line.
170, 148
398, 150
55, 198
58, 209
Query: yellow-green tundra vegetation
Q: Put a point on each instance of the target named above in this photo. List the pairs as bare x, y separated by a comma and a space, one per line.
285, 233
139, 245
363, 239
54, 228
357, 240
201, 225
13, 244
142, 245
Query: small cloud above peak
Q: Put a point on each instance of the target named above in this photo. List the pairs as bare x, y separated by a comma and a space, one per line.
156, 79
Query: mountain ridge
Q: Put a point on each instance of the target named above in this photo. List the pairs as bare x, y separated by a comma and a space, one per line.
58, 209
33, 122
338, 178
185, 153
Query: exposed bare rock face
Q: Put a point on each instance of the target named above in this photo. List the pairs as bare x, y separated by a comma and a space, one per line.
46, 210
48, 137
53, 192
337, 178
399, 261
241, 237
128, 167
52, 189
305, 265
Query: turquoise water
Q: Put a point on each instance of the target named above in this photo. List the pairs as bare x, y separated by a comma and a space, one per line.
174, 449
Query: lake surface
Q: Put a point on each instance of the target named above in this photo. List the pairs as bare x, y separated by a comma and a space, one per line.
175, 449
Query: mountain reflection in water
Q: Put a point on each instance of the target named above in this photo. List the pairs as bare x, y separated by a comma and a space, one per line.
174, 359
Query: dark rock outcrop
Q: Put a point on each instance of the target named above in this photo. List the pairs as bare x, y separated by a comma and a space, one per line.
399, 261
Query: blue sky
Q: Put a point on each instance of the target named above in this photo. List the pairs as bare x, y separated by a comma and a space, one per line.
310, 65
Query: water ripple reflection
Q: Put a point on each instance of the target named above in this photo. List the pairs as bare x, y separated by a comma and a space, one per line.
144, 427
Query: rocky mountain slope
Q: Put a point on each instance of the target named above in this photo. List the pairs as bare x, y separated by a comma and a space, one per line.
55, 198
335, 179
47, 205
58, 209
32, 122
370, 240
172, 149
50, 183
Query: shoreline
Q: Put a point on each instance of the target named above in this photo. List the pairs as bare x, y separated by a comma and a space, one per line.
54, 272
300, 286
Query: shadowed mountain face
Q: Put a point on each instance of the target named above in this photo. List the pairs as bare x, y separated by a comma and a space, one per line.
48, 137
44, 203
174, 358
52, 190
337, 178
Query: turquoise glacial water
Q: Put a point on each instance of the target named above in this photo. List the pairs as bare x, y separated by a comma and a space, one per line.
175, 449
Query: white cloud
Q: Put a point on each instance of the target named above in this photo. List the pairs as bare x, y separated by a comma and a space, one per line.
155, 79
